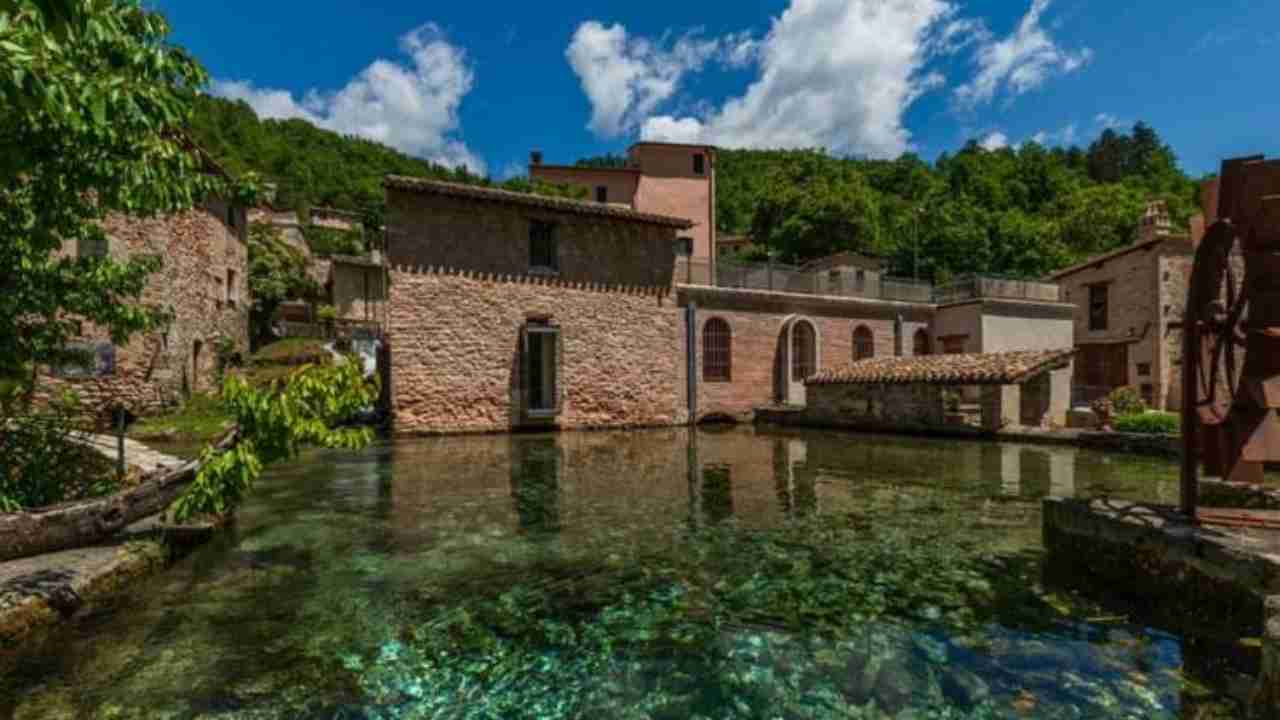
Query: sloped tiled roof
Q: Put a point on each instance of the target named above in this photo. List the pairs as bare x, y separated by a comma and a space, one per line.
1006, 368
557, 204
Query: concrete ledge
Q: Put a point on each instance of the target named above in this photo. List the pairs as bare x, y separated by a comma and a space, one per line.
1215, 584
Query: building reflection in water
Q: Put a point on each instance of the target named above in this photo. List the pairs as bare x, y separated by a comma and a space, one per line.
794, 480
717, 493
536, 466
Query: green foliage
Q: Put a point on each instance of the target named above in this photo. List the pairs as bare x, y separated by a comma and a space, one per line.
42, 465
1023, 212
275, 423
291, 352
277, 273
315, 167
200, 419
608, 160
326, 241
1127, 401
1150, 423
327, 313
95, 101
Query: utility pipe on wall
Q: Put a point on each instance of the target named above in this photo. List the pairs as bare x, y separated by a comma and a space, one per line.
691, 356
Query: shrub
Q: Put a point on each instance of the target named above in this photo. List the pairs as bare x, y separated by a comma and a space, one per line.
1127, 401
43, 465
1150, 423
327, 314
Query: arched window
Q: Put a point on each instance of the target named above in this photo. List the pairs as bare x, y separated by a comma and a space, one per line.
864, 343
921, 345
717, 351
804, 351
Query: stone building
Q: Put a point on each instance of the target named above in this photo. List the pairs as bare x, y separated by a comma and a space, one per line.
203, 283
1017, 389
661, 178
512, 310
1128, 313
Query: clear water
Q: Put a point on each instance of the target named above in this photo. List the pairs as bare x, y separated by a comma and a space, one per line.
660, 574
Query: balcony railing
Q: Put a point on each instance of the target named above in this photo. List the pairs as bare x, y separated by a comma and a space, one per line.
780, 277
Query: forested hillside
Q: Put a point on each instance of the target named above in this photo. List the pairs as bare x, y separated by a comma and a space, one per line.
315, 167
1016, 211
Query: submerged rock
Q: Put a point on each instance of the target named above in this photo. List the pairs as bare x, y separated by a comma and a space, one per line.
964, 688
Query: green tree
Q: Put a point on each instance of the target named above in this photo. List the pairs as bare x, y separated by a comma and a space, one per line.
95, 102
813, 206
277, 273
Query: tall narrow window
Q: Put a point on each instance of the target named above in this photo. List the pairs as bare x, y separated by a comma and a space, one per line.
602, 194
231, 288
864, 343
541, 348
232, 216
920, 345
804, 351
542, 246
1098, 307
699, 164
717, 351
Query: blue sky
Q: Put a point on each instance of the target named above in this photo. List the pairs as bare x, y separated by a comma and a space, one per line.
482, 84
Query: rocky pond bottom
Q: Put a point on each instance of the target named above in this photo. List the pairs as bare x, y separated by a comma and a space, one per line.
658, 574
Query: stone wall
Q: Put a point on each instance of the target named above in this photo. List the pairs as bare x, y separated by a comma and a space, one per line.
426, 230
455, 351
358, 291
915, 406
201, 255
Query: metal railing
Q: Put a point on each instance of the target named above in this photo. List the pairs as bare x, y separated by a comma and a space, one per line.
851, 282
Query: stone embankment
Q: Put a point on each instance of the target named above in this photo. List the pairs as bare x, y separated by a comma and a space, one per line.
36, 593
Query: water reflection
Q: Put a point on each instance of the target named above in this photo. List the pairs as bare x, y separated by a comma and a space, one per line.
535, 483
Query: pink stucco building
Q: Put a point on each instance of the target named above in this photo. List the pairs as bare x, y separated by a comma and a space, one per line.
659, 178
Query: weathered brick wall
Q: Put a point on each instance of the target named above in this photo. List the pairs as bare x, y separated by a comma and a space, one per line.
430, 230
907, 405
757, 320
455, 337
154, 370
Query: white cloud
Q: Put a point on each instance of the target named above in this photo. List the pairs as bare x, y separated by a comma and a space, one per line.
626, 78
995, 141
412, 107
837, 74
1066, 136
1019, 63
1107, 120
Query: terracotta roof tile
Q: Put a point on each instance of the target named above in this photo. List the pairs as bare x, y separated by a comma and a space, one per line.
1004, 368
558, 204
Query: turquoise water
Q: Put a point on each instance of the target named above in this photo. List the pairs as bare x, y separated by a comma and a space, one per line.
658, 574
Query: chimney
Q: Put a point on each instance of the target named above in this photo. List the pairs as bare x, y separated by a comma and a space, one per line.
535, 158
1155, 221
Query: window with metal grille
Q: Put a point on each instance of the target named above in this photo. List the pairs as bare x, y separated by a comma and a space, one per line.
864, 343
602, 194
921, 345
1098, 307
804, 351
699, 164
542, 246
717, 351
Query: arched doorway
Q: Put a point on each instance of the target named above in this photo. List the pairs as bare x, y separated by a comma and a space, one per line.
798, 355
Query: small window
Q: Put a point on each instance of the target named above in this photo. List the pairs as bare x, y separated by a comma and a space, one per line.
542, 246
602, 194
717, 351
921, 346
93, 247
541, 365
94, 360
954, 345
232, 216
231, 288
864, 343
804, 351
684, 247
1144, 369
699, 164
1098, 309
860, 281
1149, 394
